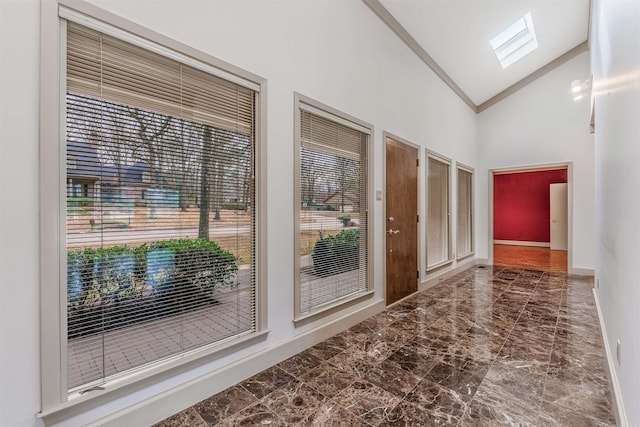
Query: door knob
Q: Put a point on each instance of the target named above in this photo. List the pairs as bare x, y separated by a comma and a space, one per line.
391, 231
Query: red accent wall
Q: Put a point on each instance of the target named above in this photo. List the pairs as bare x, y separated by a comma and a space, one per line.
521, 204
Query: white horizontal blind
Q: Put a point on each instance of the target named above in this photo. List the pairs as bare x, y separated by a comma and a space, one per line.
437, 212
333, 211
464, 229
102, 66
160, 220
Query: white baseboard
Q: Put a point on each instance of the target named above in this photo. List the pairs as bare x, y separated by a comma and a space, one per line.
581, 271
617, 393
167, 403
435, 278
521, 243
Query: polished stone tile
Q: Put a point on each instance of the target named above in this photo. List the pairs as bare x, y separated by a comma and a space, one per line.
481, 348
488, 347
368, 401
294, 402
187, 418
374, 324
519, 349
439, 401
328, 379
553, 415
332, 414
255, 415
514, 300
267, 381
356, 362
495, 407
329, 348
521, 381
391, 377
377, 347
582, 395
224, 404
396, 336
449, 328
533, 331
407, 414
414, 360
461, 381
300, 363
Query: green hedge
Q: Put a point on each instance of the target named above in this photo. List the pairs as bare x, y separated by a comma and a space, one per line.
237, 206
337, 254
79, 201
121, 285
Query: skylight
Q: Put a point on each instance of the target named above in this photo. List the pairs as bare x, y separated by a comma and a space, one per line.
515, 41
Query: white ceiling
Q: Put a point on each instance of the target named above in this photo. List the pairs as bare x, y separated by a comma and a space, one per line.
456, 34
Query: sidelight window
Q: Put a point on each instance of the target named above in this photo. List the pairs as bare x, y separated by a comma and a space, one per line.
438, 211
464, 222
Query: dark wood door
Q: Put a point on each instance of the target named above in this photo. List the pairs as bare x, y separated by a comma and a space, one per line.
401, 220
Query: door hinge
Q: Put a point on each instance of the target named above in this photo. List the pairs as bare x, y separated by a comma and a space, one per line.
417, 274
418, 218
417, 163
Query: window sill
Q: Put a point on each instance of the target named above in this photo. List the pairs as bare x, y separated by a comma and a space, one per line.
439, 265
144, 377
467, 255
331, 307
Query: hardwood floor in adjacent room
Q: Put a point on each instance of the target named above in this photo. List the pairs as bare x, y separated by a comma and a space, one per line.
530, 257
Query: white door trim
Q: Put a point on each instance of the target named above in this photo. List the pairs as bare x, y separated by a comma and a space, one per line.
558, 216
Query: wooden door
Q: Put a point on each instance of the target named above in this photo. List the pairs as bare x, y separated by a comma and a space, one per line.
402, 220
558, 218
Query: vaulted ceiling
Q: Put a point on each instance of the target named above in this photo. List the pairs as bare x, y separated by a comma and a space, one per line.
452, 37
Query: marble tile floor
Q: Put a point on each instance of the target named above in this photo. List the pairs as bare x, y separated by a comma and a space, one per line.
489, 347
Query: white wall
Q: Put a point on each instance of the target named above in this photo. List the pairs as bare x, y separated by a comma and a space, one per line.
337, 52
19, 293
542, 124
616, 71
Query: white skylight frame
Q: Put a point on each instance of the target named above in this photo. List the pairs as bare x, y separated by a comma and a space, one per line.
516, 41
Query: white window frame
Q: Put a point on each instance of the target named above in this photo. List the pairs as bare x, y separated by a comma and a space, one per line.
470, 170
56, 402
320, 109
433, 155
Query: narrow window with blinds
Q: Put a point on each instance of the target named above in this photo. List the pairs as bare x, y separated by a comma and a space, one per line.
438, 215
464, 223
160, 208
332, 207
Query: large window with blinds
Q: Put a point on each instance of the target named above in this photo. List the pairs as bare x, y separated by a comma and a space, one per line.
331, 208
464, 208
160, 237
438, 211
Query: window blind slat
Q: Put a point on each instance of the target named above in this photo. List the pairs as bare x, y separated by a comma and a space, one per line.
102, 66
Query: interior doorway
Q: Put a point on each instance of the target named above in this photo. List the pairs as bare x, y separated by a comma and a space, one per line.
530, 217
401, 218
